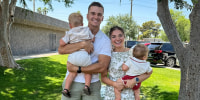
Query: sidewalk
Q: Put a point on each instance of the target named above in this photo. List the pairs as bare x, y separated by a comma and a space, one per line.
36, 55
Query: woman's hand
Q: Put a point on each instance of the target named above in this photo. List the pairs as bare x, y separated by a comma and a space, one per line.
119, 85
88, 46
130, 83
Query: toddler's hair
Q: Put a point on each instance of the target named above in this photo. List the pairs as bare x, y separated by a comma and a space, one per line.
140, 50
75, 19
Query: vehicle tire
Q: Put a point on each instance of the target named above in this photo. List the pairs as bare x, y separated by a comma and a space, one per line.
170, 62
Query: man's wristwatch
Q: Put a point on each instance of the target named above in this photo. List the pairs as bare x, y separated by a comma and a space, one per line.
79, 69
137, 79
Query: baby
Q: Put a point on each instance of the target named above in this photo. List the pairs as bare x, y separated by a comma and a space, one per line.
134, 67
77, 33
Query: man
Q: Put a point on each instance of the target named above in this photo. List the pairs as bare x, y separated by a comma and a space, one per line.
100, 56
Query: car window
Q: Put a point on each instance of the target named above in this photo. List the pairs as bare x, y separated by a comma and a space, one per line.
167, 47
153, 46
131, 43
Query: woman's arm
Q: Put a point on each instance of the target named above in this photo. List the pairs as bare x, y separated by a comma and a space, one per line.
119, 86
132, 82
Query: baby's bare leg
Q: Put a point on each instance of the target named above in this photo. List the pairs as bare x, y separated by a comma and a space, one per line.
137, 94
69, 80
86, 89
117, 92
88, 78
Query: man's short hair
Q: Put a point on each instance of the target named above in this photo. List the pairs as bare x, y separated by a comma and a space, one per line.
95, 4
76, 19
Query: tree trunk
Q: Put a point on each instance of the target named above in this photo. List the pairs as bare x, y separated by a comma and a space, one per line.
189, 56
6, 20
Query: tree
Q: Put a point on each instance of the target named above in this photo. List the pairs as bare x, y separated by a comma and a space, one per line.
182, 24
39, 10
43, 11
150, 29
7, 10
188, 55
125, 21
163, 36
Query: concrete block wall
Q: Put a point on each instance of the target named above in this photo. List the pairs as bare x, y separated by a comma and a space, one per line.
33, 33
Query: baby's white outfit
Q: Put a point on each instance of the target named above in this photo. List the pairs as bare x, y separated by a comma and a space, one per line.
74, 35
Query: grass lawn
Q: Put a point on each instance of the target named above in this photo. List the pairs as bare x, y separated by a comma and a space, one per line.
163, 84
42, 79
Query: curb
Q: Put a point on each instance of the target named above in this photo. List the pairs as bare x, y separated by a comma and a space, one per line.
36, 55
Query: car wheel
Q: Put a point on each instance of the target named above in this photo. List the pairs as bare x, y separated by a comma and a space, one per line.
170, 62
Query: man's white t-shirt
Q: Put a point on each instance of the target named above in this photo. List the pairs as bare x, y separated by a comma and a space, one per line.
102, 46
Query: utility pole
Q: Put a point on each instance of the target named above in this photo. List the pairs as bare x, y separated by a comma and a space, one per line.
33, 5
131, 7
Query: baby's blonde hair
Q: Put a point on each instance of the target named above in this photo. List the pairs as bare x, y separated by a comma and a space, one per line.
140, 50
75, 19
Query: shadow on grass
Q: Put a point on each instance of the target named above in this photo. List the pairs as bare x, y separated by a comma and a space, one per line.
154, 93
41, 80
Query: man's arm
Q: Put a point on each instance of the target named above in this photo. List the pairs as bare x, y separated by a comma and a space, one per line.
70, 48
62, 43
98, 67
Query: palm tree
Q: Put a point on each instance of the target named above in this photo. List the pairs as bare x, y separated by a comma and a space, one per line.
39, 10
45, 10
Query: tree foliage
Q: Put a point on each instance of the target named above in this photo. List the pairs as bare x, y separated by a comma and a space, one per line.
150, 29
163, 36
125, 21
43, 11
182, 24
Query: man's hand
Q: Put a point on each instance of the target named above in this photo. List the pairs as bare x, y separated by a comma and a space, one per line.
71, 67
88, 46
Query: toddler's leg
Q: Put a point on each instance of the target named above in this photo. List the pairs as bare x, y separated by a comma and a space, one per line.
68, 83
137, 94
117, 94
88, 78
70, 79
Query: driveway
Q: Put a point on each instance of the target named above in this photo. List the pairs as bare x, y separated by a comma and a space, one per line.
163, 66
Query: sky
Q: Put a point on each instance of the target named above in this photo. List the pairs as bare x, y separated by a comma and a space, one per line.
142, 10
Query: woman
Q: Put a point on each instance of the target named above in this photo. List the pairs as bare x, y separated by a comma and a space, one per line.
119, 55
